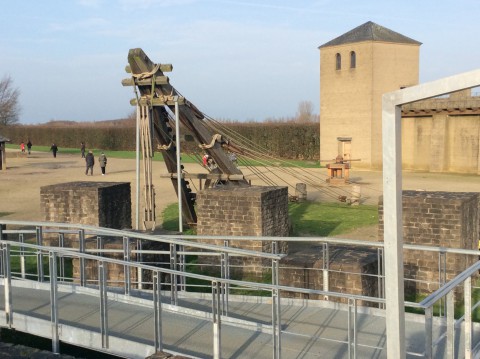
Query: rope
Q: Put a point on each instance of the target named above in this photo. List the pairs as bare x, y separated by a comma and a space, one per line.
216, 137
146, 75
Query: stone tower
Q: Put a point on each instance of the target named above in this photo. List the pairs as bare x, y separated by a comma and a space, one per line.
356, 69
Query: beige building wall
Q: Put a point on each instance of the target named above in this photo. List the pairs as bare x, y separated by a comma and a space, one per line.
351, 98
441, 143
394, 66
346, 100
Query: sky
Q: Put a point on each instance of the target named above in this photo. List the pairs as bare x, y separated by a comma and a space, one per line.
234, 59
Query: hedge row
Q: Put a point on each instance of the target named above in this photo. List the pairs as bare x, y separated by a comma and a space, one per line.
283, 140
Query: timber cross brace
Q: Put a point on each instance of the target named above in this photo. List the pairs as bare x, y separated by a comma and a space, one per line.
159, 97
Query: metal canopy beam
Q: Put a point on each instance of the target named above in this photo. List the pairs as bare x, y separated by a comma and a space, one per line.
392, 196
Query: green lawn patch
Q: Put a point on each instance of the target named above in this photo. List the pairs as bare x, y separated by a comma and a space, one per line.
329, 219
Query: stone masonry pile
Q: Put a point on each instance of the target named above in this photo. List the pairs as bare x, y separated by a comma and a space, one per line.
243, 211
441, 219
351, 271
102, 204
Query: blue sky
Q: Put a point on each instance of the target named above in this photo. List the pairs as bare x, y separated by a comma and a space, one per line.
239, 59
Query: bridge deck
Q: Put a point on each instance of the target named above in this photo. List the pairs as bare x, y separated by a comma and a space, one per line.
309, 329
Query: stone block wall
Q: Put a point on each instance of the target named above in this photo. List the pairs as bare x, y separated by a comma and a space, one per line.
243, 211
103, 204
440, 219
351, 271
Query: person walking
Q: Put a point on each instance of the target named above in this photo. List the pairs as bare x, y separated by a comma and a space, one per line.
22, 146
29, 146
90, 162
103, 162
54, 149
82, 149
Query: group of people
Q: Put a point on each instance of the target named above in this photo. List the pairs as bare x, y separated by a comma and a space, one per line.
29, 146
90, 160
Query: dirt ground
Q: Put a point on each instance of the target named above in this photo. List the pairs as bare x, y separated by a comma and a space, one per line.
25, 175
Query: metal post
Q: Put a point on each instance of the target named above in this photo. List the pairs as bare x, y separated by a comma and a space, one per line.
381, 276
182, 268
442, 274
450, 345
216, 320
126, 268
276, 313
226, 285
7, 285
326, 264
157, 308
81, 240
467, 287
21, 239
61, 244
173, 277
54, 302
223, 275
352, 328
179, 167
137, 170
139, 260
429, 333
393, 227
102, 285
39, 237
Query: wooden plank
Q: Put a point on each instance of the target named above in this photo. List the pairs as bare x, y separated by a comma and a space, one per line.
156, 102
159, 80
212, 176
163, 68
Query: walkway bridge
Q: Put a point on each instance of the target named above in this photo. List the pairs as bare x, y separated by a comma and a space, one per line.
167, 306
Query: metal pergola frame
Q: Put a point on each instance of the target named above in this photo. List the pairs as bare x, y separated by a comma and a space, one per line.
392, 195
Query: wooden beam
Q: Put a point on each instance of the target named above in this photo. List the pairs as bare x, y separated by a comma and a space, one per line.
163, 68
159, 80
212, 176
156, 102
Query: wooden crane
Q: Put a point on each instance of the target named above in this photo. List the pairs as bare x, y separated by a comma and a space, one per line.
156, 100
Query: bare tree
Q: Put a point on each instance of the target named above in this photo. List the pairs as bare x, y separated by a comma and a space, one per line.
305, 112
9, 107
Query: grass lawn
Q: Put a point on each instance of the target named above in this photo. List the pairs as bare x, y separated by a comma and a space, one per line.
308, 218
186, 158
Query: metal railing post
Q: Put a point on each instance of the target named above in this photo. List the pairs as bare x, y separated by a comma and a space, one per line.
21, 239
467, 287
182, 268
442, 278
216, 320
61, 244
429, 333
326, 265
126, 268
224, 274
8, 284
54, 302
157, 309
381, 276
39, 239
173, 277
139, 259
276, 313
352, 328
81, 247
102, 286
450, 345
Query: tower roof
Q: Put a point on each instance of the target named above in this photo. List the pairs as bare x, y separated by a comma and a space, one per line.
370, 32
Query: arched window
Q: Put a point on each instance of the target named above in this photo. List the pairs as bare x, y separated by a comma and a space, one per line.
338, 61
353, 60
